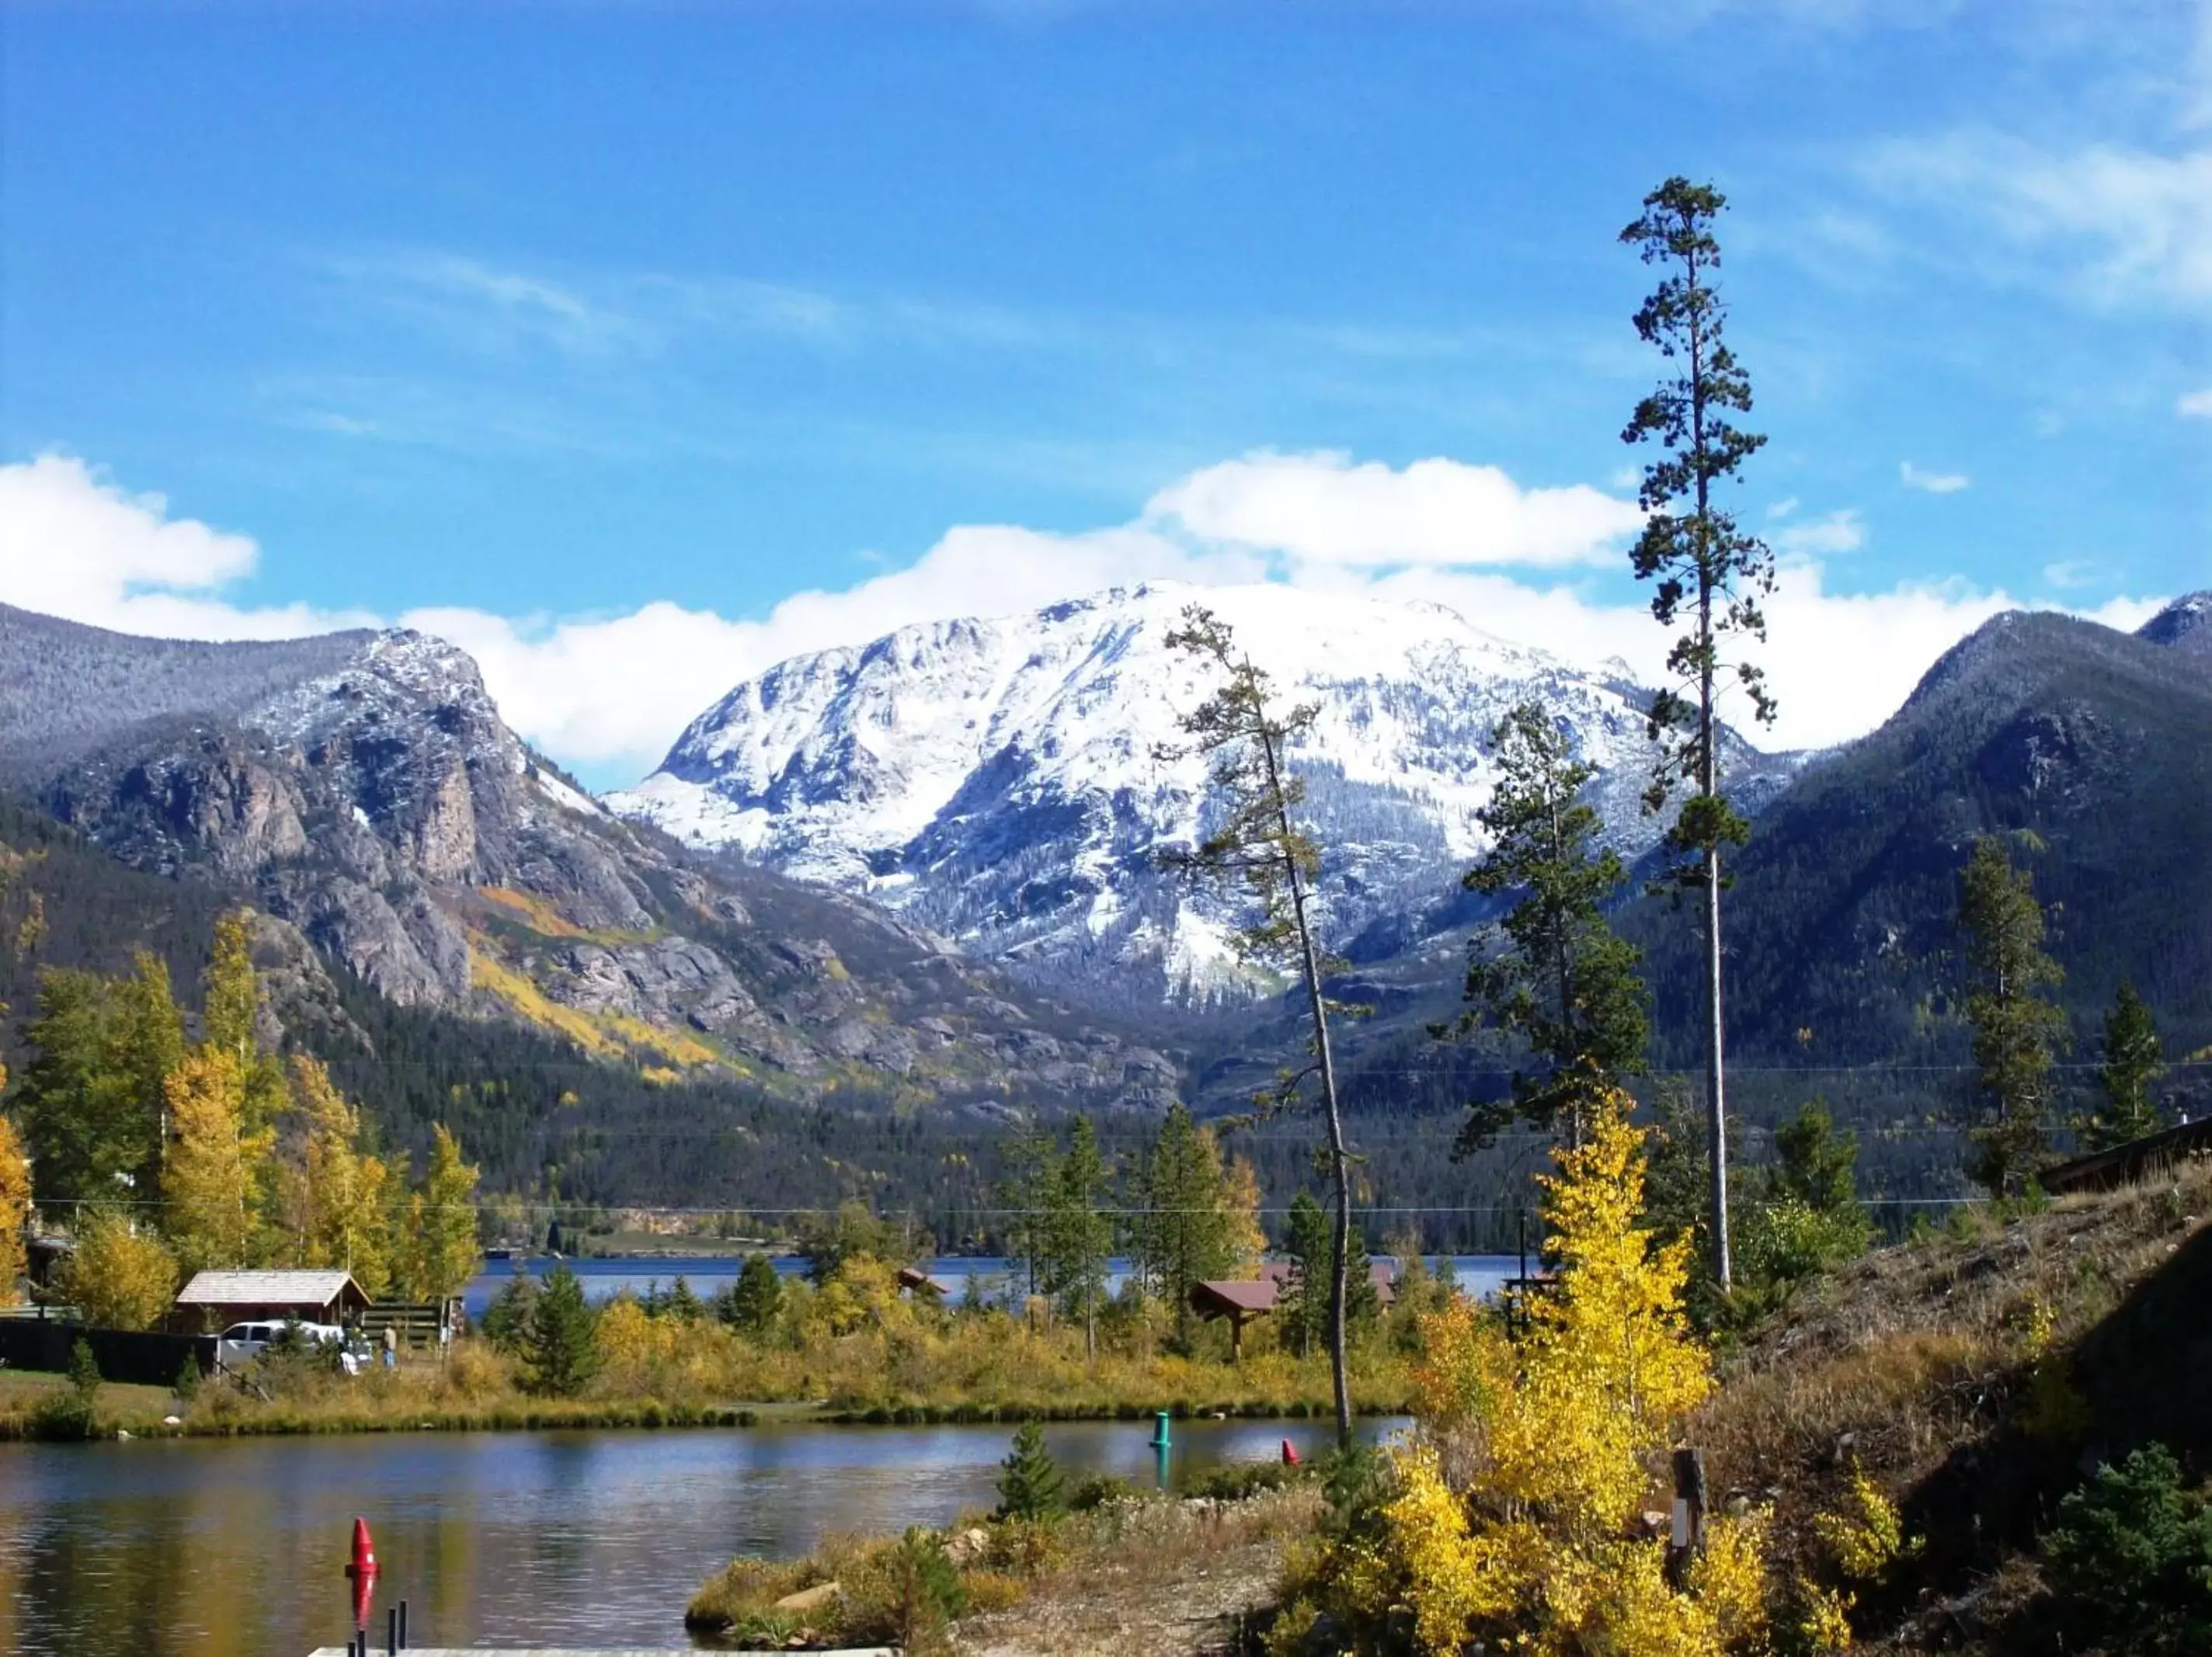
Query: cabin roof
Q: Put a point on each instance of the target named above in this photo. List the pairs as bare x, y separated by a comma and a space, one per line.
1248, 1297
267, 1288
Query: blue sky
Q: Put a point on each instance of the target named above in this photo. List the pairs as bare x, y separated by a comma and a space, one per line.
592, 334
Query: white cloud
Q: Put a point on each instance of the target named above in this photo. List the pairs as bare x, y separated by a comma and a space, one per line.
2123, 223
1840, 664
1837, 532
1323, 508
1783, 508
1931, 482
73, 543
609, 695
2195, 405
2070, 573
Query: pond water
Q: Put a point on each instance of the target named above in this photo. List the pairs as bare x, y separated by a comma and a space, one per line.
707, 1274
192, 1548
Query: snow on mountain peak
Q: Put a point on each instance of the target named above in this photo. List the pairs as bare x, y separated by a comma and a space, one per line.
1007, 780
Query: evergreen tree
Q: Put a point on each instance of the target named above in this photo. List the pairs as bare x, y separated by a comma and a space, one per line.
1186, 1234
1817, 1162
1260, 846
146, 1043
2133, 1061
1565, 984
506, 1321
1301, 1308
1710, 576
1029, 1194
90, 1140
1030, 1486
751, 1304
2015, 1029
560, 1352
1362, 1303
1082, 1237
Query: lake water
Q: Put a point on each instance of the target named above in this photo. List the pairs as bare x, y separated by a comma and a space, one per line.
1477, 1274
210, 1548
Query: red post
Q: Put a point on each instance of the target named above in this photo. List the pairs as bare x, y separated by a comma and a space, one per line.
1289, 1454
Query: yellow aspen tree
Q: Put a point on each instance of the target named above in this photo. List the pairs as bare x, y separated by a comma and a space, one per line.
329, 1193
1530, 1540
446, 1228
207, 1183
230, 1010
119, 1277
14, 1207
1241, 1198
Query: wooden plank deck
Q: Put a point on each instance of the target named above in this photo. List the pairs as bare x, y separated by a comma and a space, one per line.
377, 1646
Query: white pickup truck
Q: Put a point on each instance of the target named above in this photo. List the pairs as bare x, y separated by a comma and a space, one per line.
241, 1343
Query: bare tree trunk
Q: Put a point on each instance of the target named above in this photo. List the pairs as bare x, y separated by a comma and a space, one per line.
1716, 1101
1709, 786
1339, 1160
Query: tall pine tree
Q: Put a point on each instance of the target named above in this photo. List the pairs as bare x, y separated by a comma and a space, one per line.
1710, 575
1564, 983
2016, 1029
1261, 846
1081, 1242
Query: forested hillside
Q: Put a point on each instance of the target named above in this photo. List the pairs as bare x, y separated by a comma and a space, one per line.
2089, 749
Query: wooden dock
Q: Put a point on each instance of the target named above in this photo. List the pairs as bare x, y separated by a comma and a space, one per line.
595, 1651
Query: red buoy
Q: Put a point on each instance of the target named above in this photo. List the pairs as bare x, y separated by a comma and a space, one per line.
362, 1568
364, 1551
1290, 1456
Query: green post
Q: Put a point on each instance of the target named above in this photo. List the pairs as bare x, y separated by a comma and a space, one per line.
1160, 1430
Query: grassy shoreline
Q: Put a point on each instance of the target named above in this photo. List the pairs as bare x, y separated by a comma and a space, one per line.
143, 1411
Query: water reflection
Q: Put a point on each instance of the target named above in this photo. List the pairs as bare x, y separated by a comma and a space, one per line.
536, 1538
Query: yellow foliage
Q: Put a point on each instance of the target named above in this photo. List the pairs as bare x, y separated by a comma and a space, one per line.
1561, 1419
536, 913
1532, 1548
1867, 1537
632, 1344
120, 1278
608, 1035
208, 1167
14, 1207
1825, 1627
331, 1198
862, 1293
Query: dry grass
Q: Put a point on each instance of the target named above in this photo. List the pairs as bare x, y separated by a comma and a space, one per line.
1920, 1365
1174, 1578
1143, 1576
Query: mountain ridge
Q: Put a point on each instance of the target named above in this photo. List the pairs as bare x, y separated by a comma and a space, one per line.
363, 790
1008, 780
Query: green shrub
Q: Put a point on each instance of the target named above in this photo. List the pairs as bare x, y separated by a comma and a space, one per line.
1030, 1486
1095, 1492
927, 1595
68, 1415
2131, 1559
1239, 1481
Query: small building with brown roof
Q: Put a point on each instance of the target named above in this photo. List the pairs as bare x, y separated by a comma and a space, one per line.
214, 1300
1240, 1299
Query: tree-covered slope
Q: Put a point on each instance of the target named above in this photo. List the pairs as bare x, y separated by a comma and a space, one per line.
2091, 747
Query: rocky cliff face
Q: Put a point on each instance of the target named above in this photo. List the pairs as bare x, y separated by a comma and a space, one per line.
362, 789
1004, 780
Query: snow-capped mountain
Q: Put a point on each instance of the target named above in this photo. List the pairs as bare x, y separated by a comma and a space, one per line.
362, 790
1003, 780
